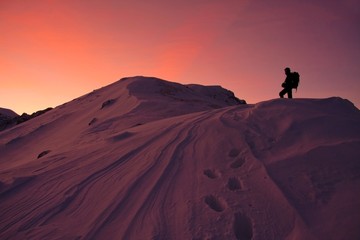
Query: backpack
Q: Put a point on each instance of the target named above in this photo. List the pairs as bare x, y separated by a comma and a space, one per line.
295, 80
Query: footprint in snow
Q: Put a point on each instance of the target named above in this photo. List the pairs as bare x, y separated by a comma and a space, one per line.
237, 163
242, 227
216, 204
211, 173
234, 184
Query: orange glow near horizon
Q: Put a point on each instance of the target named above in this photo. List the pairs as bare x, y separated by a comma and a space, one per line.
54, 51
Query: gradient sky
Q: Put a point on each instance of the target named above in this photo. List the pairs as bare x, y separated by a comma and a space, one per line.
52, 51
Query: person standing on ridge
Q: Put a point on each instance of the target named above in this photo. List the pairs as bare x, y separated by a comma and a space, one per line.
291, 81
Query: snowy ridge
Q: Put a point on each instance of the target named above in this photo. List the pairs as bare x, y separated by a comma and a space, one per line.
6, 118
138, 160
7, 113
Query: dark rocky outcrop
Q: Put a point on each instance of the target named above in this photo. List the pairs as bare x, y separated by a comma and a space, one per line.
9, 121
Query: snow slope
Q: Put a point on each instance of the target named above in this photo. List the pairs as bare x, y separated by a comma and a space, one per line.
145, 158
7, 112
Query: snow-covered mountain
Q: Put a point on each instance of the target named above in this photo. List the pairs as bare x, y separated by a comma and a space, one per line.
9, 118
7, 113
6, 118
145, 158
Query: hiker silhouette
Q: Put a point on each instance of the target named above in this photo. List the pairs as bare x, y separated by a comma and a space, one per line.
291, 81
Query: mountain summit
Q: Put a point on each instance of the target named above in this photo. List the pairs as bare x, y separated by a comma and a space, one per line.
144, 158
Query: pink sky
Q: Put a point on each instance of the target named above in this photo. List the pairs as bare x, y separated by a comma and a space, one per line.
55, 50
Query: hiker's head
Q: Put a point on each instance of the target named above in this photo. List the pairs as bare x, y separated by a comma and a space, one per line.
287, 71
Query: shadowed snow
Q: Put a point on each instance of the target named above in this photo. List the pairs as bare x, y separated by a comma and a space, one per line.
145, 158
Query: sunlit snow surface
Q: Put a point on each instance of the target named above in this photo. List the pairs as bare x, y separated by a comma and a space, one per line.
149, 159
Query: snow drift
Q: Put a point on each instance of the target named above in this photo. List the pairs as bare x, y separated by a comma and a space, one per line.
145, 158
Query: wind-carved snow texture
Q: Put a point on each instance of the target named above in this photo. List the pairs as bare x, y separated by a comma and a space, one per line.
92, 121
43, 153
108, 103
172, 161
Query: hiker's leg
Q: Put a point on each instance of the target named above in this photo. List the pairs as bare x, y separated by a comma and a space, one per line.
289, 93
282, 93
